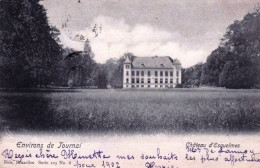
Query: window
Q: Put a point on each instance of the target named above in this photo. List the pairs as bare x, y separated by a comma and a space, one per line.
161, 86
142, 80
166, 73
149, 73
171, 80
156, 86
142, 65
126, 85
171, 73
133, 86
161, 73
156, 80
142, 85
156, 73
171, 86
137, 80
127, 73
177, 80
166, 80
137, 73
161, 80
148, 80
137, 85
162, 65
127, 66
148, 85
142, 73
177, 73
133, 73
127, 80
133, 80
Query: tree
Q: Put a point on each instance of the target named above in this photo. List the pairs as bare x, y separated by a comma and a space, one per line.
29, 53
82, 70
236, 62
213, 66
99, 76
192, 75
110, 66
80, 65
235, 75
116, 79
242, 39
229, 75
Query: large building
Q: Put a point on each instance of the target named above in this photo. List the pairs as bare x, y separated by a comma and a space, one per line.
151, 72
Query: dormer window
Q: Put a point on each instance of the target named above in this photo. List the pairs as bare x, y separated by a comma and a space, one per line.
162, 66
127, 66
142, 65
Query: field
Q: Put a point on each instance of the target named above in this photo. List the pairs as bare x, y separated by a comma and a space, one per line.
144, 111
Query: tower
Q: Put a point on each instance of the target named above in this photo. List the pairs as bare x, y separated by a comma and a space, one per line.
178, 75
127, 73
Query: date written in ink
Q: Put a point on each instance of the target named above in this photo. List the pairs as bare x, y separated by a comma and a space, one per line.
107, 164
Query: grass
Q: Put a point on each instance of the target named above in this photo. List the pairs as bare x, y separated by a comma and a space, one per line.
177, 110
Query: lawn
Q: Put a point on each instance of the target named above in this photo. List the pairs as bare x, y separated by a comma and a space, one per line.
156, 111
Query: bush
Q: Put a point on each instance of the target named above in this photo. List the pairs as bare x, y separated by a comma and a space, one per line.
179, 86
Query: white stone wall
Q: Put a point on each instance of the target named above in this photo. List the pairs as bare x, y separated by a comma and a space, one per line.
125, 76
152, 77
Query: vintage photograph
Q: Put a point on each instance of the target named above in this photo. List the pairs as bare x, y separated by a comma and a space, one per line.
129, 83
130, 67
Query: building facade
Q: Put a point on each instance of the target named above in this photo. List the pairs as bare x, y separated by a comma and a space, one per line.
151, 72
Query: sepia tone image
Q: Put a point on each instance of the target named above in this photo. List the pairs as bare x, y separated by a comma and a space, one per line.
131, 67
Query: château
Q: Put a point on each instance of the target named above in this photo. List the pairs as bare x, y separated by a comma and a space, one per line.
151, 72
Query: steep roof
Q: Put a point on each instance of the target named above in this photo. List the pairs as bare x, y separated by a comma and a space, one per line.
176, 62
152, 62
127, 60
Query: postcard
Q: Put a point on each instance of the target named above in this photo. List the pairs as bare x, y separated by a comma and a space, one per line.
129, 84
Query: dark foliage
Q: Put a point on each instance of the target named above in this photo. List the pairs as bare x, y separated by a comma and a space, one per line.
29, 51
236, 62
100, 77
213, 66
192, 76
233, 72
80, 69
115, 70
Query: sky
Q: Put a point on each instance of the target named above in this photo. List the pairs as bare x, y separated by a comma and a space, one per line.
188, 30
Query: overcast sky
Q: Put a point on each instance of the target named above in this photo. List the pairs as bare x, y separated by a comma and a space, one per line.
185, 29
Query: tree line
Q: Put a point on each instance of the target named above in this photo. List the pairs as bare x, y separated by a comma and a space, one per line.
31, 56
29, 52
236, 61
